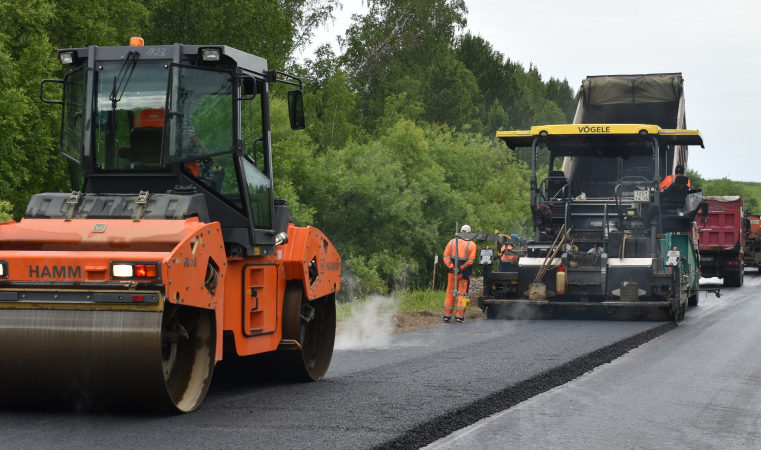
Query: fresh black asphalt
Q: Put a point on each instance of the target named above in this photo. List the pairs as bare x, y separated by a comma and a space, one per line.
421, 386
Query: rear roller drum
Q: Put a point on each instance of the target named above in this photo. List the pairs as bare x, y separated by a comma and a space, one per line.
313, 325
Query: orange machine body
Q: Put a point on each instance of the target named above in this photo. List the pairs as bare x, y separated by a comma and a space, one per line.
753, 231
74, 258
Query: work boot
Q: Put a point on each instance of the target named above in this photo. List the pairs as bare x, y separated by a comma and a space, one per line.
447, 318
459, 319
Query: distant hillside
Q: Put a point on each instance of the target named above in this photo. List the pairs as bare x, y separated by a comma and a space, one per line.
750, 191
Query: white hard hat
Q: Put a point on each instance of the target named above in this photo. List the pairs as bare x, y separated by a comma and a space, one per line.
465, 229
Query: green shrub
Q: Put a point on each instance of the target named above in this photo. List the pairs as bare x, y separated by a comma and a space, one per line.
359, 278
6, 211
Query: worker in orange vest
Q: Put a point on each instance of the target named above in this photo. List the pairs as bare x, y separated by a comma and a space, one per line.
459, 252
508, 257
669, 180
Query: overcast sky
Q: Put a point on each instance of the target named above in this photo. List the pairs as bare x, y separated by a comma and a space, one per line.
716, 45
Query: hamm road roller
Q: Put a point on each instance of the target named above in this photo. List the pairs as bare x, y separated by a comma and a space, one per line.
171, 251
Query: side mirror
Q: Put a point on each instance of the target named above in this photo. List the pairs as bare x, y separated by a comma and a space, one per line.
296, 109
42, 87
704, 212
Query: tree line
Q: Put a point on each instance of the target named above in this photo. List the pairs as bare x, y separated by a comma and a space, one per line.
399, 144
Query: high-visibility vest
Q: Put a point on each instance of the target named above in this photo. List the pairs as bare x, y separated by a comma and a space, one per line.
669, 180
506, 255
459, 249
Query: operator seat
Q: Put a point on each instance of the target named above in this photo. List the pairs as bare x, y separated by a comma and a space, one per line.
557, 185
673, 196
145, 138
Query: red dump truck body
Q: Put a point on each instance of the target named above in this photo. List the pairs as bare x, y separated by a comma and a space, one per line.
721, 239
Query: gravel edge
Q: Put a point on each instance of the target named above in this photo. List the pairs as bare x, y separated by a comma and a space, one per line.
453, 420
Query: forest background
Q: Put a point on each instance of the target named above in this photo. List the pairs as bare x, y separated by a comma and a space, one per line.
399, 144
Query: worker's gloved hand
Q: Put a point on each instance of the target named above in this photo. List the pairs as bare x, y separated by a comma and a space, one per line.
463, 267
450, 269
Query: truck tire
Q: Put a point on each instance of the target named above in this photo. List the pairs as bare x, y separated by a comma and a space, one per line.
734, 279
693, 299
729, 279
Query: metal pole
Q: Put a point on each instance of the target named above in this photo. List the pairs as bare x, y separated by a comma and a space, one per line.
533, 187
433, 278
456, 265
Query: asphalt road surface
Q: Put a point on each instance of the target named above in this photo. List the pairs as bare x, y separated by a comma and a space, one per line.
697, 386
421, 386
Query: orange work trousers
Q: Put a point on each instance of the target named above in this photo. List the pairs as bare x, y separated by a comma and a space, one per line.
449, 302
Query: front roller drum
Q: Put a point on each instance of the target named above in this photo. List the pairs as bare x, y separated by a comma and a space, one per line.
155, 360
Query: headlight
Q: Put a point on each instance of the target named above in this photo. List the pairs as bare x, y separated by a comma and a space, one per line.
211, 54
66, 57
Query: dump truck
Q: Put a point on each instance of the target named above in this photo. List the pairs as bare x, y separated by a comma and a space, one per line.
752, 247
171, 252
656, 99
606, 238
721, 236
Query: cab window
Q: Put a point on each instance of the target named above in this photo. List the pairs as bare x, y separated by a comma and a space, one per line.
129, 115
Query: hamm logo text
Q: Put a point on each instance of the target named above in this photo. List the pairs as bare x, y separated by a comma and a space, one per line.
55, 272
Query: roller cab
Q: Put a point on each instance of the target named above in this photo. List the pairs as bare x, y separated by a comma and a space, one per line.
171, 252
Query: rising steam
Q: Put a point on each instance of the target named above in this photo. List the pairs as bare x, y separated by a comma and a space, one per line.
369, 326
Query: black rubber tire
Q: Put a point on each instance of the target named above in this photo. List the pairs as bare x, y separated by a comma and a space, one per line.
733, 279
678, 315
313, 325
693, 299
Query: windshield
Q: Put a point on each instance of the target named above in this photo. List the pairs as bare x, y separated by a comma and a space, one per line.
201, 114
129, 119
596, 170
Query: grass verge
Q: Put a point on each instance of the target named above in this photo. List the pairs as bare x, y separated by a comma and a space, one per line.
418, 300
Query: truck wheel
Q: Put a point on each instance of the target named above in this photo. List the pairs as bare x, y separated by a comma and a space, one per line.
733, 279
678, 315
692, 300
